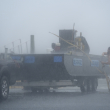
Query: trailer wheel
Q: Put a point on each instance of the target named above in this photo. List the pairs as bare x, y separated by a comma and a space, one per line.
33, 89
89, 85
4, 88
40, 90
46, 90
82, 89
94, 84
84, 86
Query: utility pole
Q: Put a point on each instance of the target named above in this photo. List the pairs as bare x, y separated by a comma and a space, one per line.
6, 52
18, 49
73, 32
13, 46
27, 47
32, 44
20, 45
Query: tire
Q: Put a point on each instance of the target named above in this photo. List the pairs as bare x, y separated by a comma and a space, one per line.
89, 85
40, 90
94, 84
46, 90
4, 88
34, 89
84, 86
82, 89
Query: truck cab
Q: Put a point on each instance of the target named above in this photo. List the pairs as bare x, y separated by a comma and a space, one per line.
7, 74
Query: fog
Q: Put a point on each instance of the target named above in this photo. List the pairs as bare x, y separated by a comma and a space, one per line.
21, 18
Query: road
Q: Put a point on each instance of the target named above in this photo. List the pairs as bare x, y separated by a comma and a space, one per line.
69, 98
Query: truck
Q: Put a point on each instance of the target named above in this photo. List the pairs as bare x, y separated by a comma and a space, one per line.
67, 65
8, 70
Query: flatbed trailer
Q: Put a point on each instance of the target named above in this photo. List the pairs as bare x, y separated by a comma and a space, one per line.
60, 68
42, 71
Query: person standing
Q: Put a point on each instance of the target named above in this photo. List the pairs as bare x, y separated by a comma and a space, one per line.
108, 55
107, 63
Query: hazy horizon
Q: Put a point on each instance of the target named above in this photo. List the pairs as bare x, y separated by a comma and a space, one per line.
21, 18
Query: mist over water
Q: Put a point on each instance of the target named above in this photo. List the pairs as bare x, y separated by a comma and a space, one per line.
20, 19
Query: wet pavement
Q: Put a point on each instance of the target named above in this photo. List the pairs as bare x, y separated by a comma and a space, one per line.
69, 98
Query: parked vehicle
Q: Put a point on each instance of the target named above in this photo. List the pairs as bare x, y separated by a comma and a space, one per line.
8, 70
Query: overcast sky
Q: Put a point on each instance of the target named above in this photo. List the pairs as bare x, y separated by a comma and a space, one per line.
21, 18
